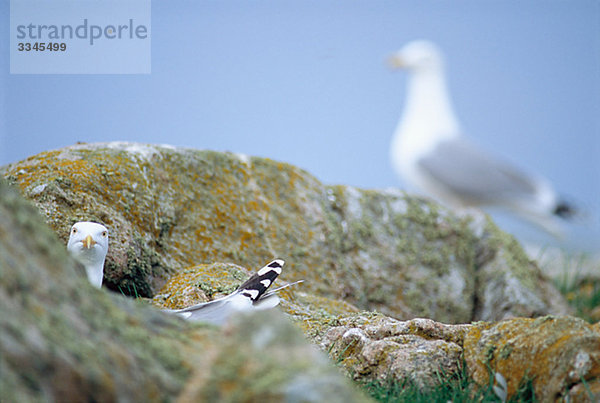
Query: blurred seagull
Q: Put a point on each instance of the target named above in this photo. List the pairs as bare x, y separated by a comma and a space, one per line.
88, 244
250, 295
429, 151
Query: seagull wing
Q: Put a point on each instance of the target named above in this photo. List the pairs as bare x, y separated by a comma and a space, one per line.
215, 312
459, 168
251, 294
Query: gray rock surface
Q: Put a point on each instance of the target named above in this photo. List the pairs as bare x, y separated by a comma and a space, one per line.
375, 347
170, 208
61, 339
175, 214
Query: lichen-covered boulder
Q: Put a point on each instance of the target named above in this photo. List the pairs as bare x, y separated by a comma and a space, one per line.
61, 339
559, 355
377, 348
172, 208
285, 367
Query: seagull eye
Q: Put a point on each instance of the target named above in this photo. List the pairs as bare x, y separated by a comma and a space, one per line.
104, 233
74, 230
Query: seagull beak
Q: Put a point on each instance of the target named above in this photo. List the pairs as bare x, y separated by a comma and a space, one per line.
396, 61
88, 242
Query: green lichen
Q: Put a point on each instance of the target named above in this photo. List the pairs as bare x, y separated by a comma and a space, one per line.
505, 351
169, 209
67, 338
513, 256
248, 374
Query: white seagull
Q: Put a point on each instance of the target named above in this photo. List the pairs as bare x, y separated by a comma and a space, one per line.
250, 295
88, 244
430, 153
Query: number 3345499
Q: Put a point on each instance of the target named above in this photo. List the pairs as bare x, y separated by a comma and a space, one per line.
41, 47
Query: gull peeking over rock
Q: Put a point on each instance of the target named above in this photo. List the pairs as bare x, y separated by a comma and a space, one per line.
88, 244
249, 296
429, 151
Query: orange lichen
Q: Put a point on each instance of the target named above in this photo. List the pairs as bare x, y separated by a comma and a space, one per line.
544, 350
168, 209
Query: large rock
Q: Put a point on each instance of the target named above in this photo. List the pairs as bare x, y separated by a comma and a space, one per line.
263, 357
175, 213
170, 208
560, 356
61, 339
376, 348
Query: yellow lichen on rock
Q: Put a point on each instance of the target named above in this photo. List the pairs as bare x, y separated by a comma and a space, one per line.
168, 209
199, 284
559, 355
173, 212
374, 347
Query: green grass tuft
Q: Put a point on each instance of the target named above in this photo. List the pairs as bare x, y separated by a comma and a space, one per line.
584, 297
456, 388
581, 291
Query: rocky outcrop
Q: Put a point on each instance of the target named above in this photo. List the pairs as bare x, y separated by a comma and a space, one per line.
171, 208
189, 226
375, 347
61, 339
560, 356
263, 357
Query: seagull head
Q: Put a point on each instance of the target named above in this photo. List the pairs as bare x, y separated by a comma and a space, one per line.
88, 244
420, 55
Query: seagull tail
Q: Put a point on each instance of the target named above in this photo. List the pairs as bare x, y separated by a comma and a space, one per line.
276, 290
565, 210
260, 281
271, 299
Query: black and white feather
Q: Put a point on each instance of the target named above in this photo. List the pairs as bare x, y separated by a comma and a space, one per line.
252, 294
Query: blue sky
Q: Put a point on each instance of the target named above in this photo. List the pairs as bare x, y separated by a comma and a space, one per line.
305, 82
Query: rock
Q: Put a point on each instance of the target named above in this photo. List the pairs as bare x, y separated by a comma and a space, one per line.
374, 347
61, 339
506, 284
263, 357
201, 283
172, 208
559, 355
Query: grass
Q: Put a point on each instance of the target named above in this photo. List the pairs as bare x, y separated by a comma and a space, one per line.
583, 296
129, 291
457, 388
581, 291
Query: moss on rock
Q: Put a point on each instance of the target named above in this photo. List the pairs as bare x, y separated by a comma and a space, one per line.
61, 339
560, 355
169, 209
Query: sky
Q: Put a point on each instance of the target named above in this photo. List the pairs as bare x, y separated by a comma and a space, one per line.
305, 82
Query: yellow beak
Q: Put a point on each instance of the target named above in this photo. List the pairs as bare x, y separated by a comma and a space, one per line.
88, 242
396, 62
